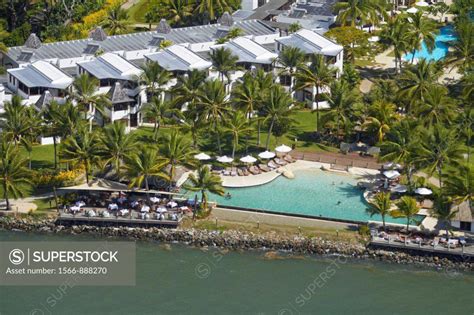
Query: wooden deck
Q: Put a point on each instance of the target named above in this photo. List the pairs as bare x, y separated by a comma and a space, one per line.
462, 251
344, 160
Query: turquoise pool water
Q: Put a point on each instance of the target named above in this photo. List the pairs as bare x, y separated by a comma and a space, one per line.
312, 192
446, 34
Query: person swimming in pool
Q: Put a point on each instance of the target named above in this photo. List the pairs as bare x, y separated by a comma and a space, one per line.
339, 202
228, 196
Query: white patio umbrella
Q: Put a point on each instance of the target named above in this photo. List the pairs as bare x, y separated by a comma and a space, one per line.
391, 165
266, 155
422, 4
225, 159
283, 149
392, 174
374, 39
248, 159
412, 10
399, 189
202, 156
423, 191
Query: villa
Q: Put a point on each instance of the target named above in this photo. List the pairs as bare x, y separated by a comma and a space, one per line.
41, 72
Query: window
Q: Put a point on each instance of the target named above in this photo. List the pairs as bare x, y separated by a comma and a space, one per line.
465, 226
285, 80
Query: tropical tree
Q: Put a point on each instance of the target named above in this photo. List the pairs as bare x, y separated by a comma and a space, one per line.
291, 58
438, 147
459, 184
116, 21
395, 35
211, 6
352, 12
193, 123
380, 205
14, 123
178, 11
82, 148
277, 109
186, 90
85, 94
341, 101
400, 146
143, 165
437, 107
13, 172
176, 151
355, 41
421, 30
294, 27
158, 111
204, 181
317, 76
462, 52
407, 208
443, 211
382, 116
417, 80
224, 62
116, 146
153, 78
236, 125
214, 106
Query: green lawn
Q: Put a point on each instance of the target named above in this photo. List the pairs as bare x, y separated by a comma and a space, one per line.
136, 14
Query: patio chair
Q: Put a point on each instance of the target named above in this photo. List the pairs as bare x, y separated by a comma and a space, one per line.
280, 161
264, 167
254, 170
272, 165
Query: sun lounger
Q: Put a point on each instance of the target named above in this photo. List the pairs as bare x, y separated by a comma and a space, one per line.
240, 172
244, 171
226, 172
272, 165
264, 167
289, 159
233, 171
280, 161
254, 170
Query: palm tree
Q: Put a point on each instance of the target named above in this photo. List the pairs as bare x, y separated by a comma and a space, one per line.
459, 184
186, 91
294, 27
438, 148
437, 107
143, 165
277, 109
83, 148
380, 205
462, 53
178, 11
204, 181
158, 111
407, 208
176, 151
236, 125
193, 123
316, 76
416, 81
224, 62
400, 146
116, 21
291, 58
214, 106
14, 122
85, 94
354, 12
395, 34
153, 78
421, 29
382, 116
13, 172
341, 101
116, 146
210, 7
442, 210
33, 118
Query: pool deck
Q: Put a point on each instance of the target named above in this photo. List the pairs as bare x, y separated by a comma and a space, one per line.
264, 178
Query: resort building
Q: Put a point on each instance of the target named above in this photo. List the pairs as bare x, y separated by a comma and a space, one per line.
116, 61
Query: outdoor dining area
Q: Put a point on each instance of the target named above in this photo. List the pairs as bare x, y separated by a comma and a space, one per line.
266, 161
107, 201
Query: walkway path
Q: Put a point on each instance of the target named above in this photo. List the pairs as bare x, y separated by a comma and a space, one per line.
129, 3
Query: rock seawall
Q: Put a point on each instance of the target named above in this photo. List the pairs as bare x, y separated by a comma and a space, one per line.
236, 240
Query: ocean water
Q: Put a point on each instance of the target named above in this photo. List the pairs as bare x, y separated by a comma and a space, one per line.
440, 51
312, 192
184, 280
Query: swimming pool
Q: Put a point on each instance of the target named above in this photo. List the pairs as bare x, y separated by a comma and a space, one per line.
446, 34
312, 192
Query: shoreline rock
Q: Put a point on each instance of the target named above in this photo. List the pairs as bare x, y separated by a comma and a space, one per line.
239, 241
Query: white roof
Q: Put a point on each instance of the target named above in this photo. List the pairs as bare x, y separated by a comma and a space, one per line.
179, 58
249, 50
111, 66
311, 42
42, 74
